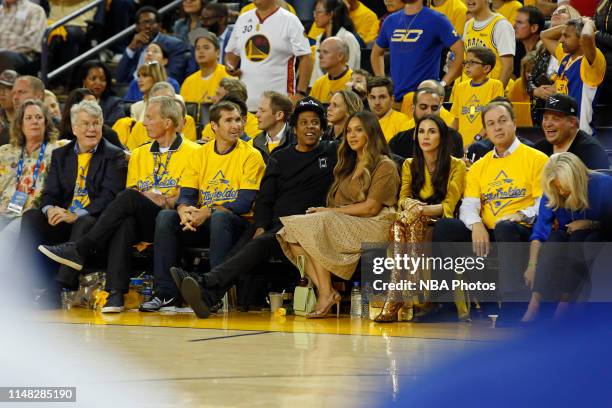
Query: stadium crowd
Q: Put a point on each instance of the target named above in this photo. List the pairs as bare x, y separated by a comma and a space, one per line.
248, 133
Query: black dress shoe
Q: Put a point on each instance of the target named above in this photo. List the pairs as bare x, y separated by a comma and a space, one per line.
65, 254
178, 274
192, 293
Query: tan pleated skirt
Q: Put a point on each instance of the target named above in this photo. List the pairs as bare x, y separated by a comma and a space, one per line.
332, 239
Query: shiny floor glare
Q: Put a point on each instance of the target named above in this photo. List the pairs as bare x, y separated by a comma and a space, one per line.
255, 359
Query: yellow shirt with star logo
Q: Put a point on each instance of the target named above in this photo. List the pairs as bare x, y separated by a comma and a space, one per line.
147, 160
218, 177
196, 89
505, 185
468, 101
324, 87
393, 123
80, 198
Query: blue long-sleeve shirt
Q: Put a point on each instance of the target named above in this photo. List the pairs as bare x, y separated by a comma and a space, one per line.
600, 207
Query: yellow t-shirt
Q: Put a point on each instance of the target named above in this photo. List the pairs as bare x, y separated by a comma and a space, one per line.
196, 89
365, 22
468, 101
80, 198
506, 185
393, 123
251, 6
509, 10
147, 165
521, 102
218, 178
456, 11
250, 128
315, 31
454, 186
324, 86
133, 134
484, 38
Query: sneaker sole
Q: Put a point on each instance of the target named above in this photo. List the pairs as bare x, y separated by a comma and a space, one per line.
193, 296
112, 309
175, 277
59, 259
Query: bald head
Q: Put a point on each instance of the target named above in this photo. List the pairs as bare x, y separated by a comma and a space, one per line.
333, 55
432, 84
27, 87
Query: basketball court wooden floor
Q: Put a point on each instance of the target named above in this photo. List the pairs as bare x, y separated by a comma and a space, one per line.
255, 359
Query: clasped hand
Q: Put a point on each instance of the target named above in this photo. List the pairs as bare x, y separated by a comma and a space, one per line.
192, 217
57, 215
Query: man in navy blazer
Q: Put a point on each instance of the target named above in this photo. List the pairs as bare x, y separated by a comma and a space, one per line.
147, 31
84, 177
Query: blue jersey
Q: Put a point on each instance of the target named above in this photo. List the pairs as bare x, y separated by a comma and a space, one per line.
416, 43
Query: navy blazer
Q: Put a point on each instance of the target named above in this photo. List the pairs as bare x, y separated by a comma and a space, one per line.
178, 52
105, 178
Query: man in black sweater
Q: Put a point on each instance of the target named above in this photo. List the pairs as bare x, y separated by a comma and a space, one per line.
297, 177
426, 101
561, 129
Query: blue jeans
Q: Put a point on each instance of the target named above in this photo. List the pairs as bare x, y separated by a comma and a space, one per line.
220, 232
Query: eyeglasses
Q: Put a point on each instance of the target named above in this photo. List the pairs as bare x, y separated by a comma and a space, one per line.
560, 11
472, 62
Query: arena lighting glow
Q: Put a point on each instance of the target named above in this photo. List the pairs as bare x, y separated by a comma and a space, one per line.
43, 355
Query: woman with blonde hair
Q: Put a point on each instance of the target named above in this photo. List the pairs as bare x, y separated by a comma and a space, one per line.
578, 202
342, 105
360, 208
148, 75
24, 162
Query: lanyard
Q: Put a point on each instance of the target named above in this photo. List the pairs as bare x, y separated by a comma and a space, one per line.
41, 156
157, 167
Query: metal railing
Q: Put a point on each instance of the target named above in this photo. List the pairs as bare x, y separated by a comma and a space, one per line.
47, 76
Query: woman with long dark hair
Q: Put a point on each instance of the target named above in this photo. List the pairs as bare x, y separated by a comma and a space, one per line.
432, 185
65, 127
96, 76
360, 208
333, 17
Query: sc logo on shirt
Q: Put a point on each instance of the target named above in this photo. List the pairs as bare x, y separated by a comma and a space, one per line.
407, 36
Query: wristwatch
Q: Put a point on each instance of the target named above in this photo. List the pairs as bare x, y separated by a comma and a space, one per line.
443, 83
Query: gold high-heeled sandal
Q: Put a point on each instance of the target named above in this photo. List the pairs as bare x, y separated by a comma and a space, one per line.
389, 312
320, 314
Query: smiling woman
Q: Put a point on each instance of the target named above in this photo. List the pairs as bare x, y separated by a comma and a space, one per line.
359, 209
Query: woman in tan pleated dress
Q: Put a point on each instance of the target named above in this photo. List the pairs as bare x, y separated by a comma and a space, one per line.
360, 208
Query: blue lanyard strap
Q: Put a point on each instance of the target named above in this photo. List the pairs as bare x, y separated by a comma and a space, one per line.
157, 167
41, 156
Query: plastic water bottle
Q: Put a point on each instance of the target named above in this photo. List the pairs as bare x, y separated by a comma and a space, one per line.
366, 296
147, 291
356, 301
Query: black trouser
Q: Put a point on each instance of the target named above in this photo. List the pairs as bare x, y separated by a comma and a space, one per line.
35, 231
246, 256
512, 263
564, 269
128, 219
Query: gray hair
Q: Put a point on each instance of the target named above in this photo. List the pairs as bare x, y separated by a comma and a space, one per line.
162, 86
168, 108
341, 47
90, 107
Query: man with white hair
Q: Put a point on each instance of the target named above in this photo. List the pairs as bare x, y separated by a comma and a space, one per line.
154, 174
84, 177
333, 57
